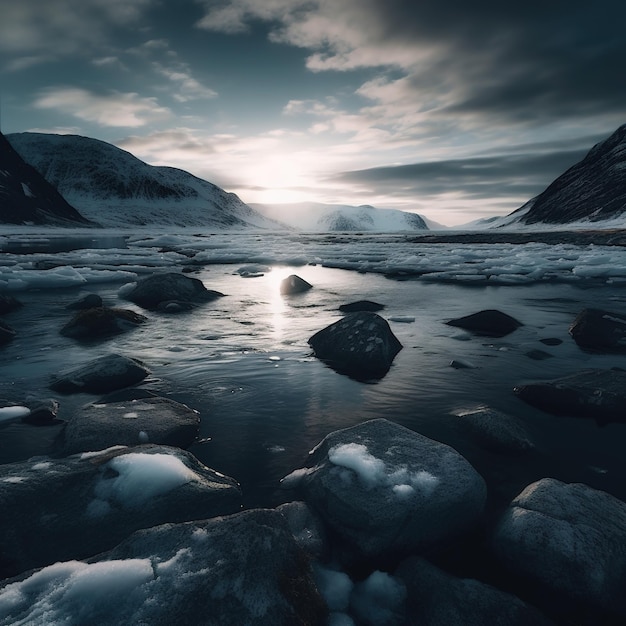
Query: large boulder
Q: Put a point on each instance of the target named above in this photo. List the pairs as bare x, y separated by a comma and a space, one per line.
101, 375
488, 323
294, 284
101, 322
128, 422
598, 394
570, 539
436, 598
149, 292
386, 490
239, 569
76, 507
361, 345
595, 330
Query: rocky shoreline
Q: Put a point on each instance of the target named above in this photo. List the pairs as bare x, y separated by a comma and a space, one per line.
379, 523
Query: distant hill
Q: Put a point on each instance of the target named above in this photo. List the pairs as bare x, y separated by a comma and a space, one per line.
27, 198
593, 190
318, 217
116, 189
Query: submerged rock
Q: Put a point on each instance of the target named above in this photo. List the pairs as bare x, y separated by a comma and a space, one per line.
569, 538
361, 345
129, 422
151, 291
100, 323
76, 507
489, 323
294, 284
595, 330
386, 490
598, 394
102, 375
361, 305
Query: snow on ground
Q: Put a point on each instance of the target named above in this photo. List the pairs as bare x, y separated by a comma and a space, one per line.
391, 254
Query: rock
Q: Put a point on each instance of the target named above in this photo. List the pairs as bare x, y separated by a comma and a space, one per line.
538, 355
489, 323
174, 306
294, 284
361, 305
497, 431
551, 341
386, 490
306, 527
6, 333
595, 330
435, 598
8, 304
460, 364
88, 301
76, 507
128, 423
568, 538
101, 323
42, 413
361, 345
599, 394
150, 291
101, 375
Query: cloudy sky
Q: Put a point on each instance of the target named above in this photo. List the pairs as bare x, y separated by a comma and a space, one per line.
450, 108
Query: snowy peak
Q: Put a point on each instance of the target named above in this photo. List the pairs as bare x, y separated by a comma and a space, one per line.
593, 190
116, 189
26, 197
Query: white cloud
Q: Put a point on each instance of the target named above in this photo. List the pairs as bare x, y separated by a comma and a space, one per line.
110, 109
188, 87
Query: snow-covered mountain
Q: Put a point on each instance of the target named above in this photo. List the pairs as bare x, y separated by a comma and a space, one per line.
114, 188
26, 197
591, 192
318, 217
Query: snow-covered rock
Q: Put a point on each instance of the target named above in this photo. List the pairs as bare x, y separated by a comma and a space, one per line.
386, 490
239, 569
112, 187
101, 323
76, 507
128, 419
360, 344
101, 375
489, 323
569, 538
596, 330
151, 291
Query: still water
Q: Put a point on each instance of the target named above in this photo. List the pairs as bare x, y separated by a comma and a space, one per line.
243, 362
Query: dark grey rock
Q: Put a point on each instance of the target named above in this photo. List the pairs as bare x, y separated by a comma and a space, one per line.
386, 490
76, 507
436, 598
6, 333
294, 284
538, 355
595, 330
128, 423
551, 341
306, 527
88, 301
42, 413
361, 305
361, 345
101, 323
488, 323
598, 394
8, 304
101, 375
174, 306
569, 538
150, 291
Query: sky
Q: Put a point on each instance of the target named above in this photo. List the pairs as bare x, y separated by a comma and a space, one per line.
452, 109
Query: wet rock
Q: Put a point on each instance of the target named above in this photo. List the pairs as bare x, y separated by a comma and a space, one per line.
361, 345
361, 305
538, 355
150, 291
460, 364
6, 333
8, 304
101, 375
294, 284
569, 538
551, 341
489, 323
306, 527
496, 431
42, 413
598, 394
386, 490
436, 598
174, 306
130, 422
88, 301
100, 323
595, 330
76, 507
